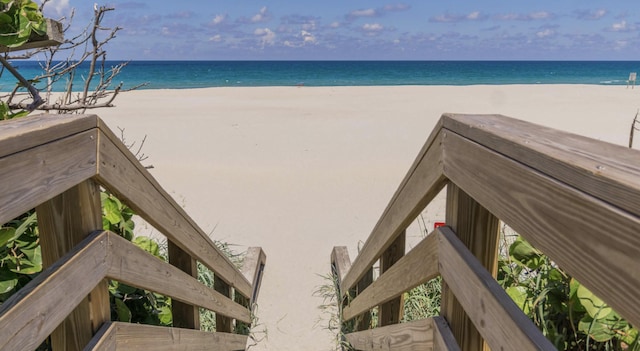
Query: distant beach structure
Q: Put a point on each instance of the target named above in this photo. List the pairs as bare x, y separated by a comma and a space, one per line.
632, 80
204, 74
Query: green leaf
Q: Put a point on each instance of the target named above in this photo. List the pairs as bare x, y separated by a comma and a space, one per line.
521, 251
7, 235
8, 281
595, 307
124, 314
165, 316
147, 244
519, 295
111, 211
604, 329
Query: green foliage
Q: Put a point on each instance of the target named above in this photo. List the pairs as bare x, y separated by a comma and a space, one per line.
20, 256
566, 312
18, 19
422, 301
116, 216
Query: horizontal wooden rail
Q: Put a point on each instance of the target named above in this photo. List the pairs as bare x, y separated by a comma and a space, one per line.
42, 157
126, 336
574, 198
46, 301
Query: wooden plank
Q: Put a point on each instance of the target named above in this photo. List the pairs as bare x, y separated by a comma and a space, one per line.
34, 176
21, 134
253, 268
417, 267
134, 266
391, 311
184, 315
561, 221
223, 323
63, 222
421, 184
411, 336
494, 314
121, 173
606, 171
30, 315
104, 339
340, 261
363, 321
148, 337
443, 339
479, 231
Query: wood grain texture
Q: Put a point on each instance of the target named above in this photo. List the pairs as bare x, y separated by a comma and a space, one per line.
121, 173
104, 339
30, 315
603, 170
340, 261
443, 339
184, 315
147, 337
223, 324
63, 222
421, 184
391, 311
563, 222
418, 266
500, 322
134, 266
253, 269
411, 336
363, 321
478, 230
21, 134
34, 176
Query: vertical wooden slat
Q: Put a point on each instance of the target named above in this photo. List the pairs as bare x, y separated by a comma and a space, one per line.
64, 222
478, 229
223, 323
391, 312
363, 322
184, 315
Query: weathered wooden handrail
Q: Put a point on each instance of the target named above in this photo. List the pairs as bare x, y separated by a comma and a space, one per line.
574, 198
52, 162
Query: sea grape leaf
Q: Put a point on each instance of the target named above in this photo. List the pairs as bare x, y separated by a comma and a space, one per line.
595, 307
519, 295
521, 251
124, 313
8, 281
165, 316
147, 244
7, 235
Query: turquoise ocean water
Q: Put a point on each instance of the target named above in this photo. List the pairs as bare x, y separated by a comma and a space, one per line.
199, 74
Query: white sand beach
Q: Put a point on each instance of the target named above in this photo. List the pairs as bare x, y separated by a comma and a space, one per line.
298, 170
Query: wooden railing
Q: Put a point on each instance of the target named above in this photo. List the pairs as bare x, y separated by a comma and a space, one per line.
57, 164
574, 198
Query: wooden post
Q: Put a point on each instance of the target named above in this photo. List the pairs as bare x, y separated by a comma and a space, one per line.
63, 222
391, 312
184, 315
223, 323
478, 229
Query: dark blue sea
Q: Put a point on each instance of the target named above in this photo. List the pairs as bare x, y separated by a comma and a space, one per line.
200, 74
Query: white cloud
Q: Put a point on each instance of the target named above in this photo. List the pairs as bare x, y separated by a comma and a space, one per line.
307, 37
474, 15
363, 13
60, 7
218, 19
539, 15
545, 33
166, 31
267, 36
372, 27
260, 16
334, 25
620, 27
216, 38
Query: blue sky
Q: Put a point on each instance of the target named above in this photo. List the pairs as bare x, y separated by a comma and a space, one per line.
368, 30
